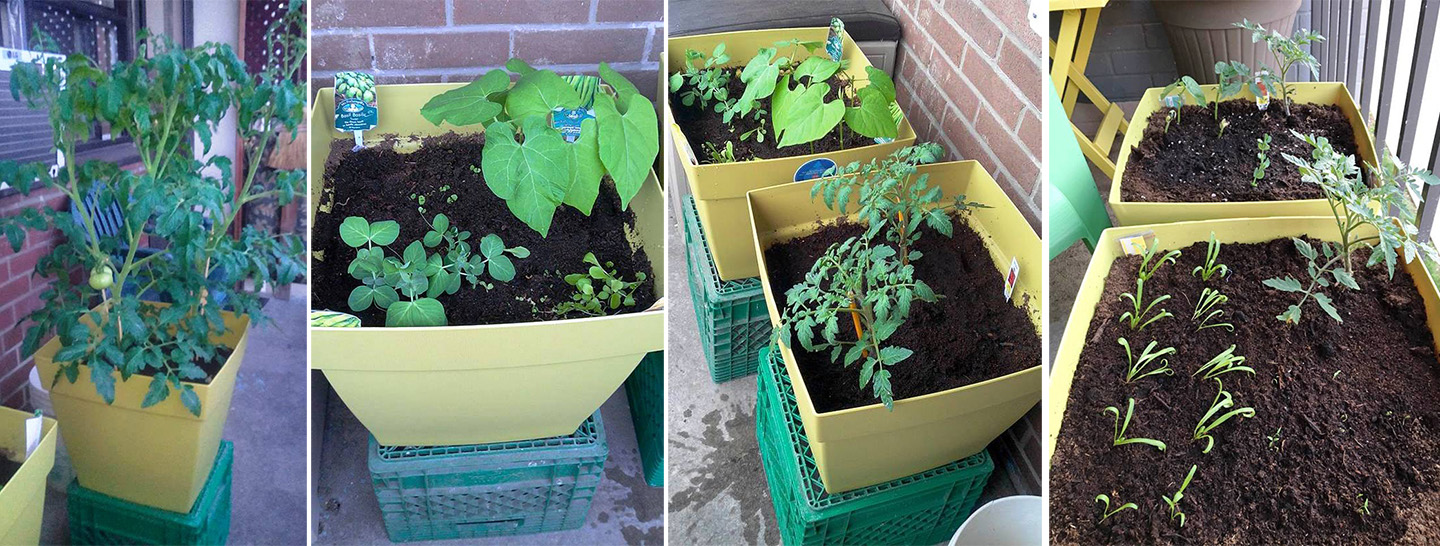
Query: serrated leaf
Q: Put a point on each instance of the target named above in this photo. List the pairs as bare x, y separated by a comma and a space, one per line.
102, 375
157, 392
628, 143
1287, 284
1327, 305
469, 104
531, 177
190, 400
1345, 279
539, 93
420, 312
1305, 249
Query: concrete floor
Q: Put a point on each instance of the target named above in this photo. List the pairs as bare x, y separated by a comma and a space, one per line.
267, 425
717, 488
624, 511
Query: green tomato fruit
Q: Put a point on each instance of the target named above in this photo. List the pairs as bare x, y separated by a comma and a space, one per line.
102, 277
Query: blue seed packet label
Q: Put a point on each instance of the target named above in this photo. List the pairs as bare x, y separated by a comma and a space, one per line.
356, 104
1173, 101
833, 44
815, 168
568, 120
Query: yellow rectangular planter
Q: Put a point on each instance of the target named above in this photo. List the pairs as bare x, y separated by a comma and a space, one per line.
158, 456
1129, 213
1180, 235
22, 500
719, 189
864, 446
478, 384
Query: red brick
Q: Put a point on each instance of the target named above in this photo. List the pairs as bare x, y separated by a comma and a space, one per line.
907, 100
1030, 131
9, 359
23, 264
490, 12
378, 13
1012, 155
994, 88
13, 289
629, 10
657, 46
15, 382
1018, 64
983, 31
350, 52
447, 50
548, 47
969, 143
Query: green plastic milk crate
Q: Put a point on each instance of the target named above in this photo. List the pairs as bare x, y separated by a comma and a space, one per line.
924, 508
646, 391
97, 518
734, 324
484, 490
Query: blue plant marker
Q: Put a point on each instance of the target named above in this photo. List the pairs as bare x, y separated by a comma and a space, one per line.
815, 168
357, 108
568, 120
834, 44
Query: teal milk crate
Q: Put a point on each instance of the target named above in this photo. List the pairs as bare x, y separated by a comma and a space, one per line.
924, 508
486, 490
734, 324
97, 518
646, 391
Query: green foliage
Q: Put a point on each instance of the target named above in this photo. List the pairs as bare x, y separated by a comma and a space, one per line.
864, 282
1173, 501
893, 199
600, 289
418, 274
1120, 428
801, 114
872, 116
1354, 204
1136, 316
1216, 416
1149, 264
1208, 309
1106, 512
1288, 53
1276, 442
541, 171
1186, 85
1262, 144
707, 81
164, 101
1212, 266
760, 76
720, 155
1136, 368
1232, 77
1223, 363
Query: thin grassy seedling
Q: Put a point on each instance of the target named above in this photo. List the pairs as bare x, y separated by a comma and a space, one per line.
1121, 427
1174, 500
1106, 512
1222, 364
1214, 417
1136, 367
1136, 317
1212, 265
1147, 268
1208, 309
1276, 440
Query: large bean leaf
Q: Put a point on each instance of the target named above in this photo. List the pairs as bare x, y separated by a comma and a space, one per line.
805, 116
588, 169
628, 143
872, 118
470, 104
538, 93
531, 177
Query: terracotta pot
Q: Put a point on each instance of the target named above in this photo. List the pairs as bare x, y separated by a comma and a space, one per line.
1203, 32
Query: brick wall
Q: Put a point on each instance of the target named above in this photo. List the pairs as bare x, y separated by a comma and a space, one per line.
969, 78
417, 41
20, 292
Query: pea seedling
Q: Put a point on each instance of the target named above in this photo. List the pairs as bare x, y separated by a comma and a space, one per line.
1120, 428
599, 290
1174, 500
1136, 367
1214, 418
708, 80
1209, 306
1136, 316
1223, 363
1263, 144
1212, 266
1106, 512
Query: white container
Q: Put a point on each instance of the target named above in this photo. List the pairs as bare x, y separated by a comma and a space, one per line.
62, 473
1011, 521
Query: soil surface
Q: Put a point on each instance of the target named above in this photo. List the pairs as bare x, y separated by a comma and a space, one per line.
702, 125
972, 334
377, 182
1344, 447
1190, 164
8, 468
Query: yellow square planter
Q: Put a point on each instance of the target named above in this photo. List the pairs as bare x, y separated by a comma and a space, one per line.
719, 189
158, 456
1180, 235
22, 500
479, 384
1129, 213
868, 445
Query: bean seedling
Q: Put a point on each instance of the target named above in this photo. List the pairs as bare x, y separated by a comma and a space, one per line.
1136, 367
1174, 500
1209, 306
1120, 428
1224, 123
1214, 418
1223, 363
599, 290
707, 80
1183, 86
1106, 512
1136, 316
1263, 144
1212, 266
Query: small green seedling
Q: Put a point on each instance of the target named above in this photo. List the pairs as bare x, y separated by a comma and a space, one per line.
1149, 265
599, 290
1288, 52
1335, 375
1276, 441
1136, 368
1120, 428
1174, 500
1214, 418
1136, 316
1222, 364
1233, 77
1212, 265
1183, 86
1106, 512
720, 155
708, 80
1224, 123
1209, 307
1364, 508
1263, 144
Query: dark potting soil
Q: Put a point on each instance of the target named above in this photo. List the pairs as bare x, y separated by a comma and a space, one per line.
1190, 164
8, 468
702, 125
972, 334
1354, 407
376, 184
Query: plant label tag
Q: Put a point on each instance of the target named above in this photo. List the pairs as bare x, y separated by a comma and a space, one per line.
356, 104
32, 433
1137, 244
895, 115
834, 44
815, 168
1262, 99
1011, 277
568, 120
1173, 101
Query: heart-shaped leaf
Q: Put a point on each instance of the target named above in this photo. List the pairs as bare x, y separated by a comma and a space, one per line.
538, 93
872, 118
817, 68
588, 170
469, 104
806, 116
622, 86
531, 177
628, 143
421, 312
880, 81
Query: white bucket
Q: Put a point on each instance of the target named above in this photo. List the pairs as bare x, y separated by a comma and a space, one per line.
1011, 521
62, 473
